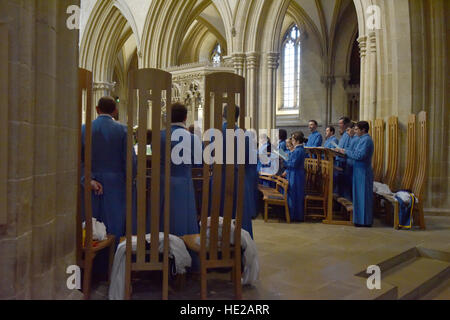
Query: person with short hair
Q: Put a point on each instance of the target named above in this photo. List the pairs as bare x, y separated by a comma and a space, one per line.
295, 174
362, 176
282, 140
330, 139
315, 138
340, 162
348, 169
108, 171
183, 211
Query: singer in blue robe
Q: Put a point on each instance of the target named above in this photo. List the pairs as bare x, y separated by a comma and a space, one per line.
315, 138
109, 156
348, 170
340, 162
295, 174
329, 143
362, 176
183, 212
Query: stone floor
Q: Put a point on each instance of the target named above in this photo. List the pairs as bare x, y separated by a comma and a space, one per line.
312, 261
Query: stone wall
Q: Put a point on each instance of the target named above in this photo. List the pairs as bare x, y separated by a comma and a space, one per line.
38, 241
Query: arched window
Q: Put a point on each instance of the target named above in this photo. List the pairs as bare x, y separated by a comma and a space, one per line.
291, 69
216, 56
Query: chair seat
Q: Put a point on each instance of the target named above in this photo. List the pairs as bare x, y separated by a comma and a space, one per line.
191, 242
346, 203
99, 245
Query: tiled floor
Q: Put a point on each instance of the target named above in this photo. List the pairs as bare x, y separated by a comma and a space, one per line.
312, 261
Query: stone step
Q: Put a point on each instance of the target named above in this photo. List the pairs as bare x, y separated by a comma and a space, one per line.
416, 277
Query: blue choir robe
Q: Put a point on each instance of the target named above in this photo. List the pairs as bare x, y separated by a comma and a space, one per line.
295, 169
109, 156
362, 181
282, 146
329, 142
348, 171
338, 176
314, 140
183, 212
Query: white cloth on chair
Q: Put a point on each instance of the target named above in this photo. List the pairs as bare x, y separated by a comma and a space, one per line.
177, 250
250, 253
381, 189
98, 230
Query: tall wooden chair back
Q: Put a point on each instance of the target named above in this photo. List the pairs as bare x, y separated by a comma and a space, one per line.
150, 91
392, 164
410, 170
224, 89
379, 149
87, 249
421, 171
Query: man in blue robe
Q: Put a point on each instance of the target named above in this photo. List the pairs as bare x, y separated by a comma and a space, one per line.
315, 138
183, 212
362, 176
348, 169
344, 143
295, 174
330, 139
109, 157
249, 208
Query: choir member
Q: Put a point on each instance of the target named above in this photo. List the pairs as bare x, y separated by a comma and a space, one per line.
282, 143
362, 176
315, 138
295, 174
330, 139
348, 170
344, 143
109, 156
183, 212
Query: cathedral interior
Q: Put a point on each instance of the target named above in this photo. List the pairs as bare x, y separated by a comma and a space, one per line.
382, 61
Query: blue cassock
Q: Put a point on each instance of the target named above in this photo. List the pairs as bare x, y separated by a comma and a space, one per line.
329, 142
109, 156
362, 181
314, 140
282, 146
295, 169
348, 171
338, 176
183, 212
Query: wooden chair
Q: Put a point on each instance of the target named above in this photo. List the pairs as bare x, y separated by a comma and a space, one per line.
421, 172
311, 200
153, 86
413, 179
224, 87
273, 196
87, 249
379, 145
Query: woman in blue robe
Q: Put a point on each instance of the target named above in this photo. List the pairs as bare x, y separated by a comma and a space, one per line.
295, 174
183, 212
362, 176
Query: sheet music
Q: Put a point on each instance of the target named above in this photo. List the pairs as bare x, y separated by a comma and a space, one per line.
281, 154
334, 144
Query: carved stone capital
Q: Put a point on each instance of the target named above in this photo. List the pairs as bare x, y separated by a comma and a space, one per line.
272, 60
362, 41
328, 79
372, 42
252, 60
109, 86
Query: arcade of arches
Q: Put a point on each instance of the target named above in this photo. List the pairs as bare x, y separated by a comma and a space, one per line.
340, 67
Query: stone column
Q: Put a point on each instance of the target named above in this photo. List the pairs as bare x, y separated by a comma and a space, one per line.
362, 101
271, 81
328, 80
372, 76
37, 243
252, 89
238, 63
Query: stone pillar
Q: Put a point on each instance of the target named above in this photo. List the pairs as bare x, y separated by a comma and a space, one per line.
328, 80
371, 104
252, 89
37, 243
362, 101
238, 63
270, 92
